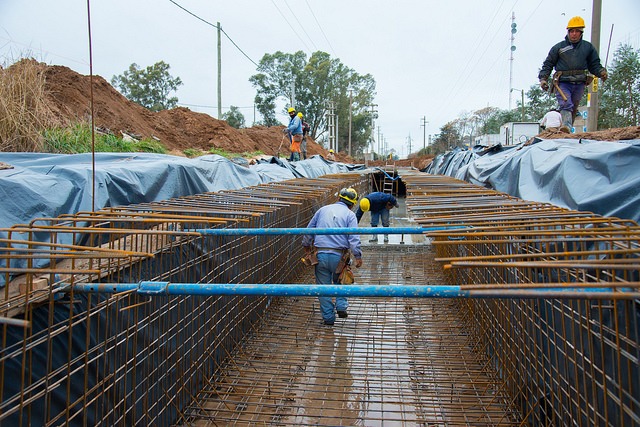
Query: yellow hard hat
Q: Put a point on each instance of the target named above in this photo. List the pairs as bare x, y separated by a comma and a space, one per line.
365, 205
291, 110
300, 115
331, 150
575, 22
349, 194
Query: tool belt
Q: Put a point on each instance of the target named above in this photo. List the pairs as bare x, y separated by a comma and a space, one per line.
572, 76
345, 275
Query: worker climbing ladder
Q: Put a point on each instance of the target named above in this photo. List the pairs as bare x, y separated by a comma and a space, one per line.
389, 175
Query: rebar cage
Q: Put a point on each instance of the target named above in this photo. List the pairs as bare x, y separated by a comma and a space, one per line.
548, 337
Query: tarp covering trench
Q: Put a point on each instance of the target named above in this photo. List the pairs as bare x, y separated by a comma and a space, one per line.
42, 185
602, 177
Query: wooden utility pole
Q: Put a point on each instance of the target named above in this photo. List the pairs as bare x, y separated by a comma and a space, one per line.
350, 110
219, 73
424, 131
592, 107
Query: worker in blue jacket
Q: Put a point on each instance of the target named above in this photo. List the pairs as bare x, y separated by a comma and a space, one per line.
379, 204
573, 59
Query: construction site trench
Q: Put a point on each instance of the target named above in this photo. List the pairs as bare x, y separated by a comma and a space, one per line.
543, 330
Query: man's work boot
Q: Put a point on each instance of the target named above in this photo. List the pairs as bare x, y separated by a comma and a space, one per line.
374, 238
567, 121
386, 238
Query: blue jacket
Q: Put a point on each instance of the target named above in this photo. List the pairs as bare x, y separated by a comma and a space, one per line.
295, 126
336, 215
567, 56
378, 201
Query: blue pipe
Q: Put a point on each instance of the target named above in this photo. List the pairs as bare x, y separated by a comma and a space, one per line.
316, 231
261, 289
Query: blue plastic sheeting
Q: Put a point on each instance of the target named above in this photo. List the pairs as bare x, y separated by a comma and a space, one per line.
44, 185
602, 177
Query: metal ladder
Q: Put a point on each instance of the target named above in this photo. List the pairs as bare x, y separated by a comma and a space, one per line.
389, 174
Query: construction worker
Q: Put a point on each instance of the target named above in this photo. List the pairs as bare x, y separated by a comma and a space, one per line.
305, 131
331, 248
294, 129
573, 58
379, 204
552, 120
331, 156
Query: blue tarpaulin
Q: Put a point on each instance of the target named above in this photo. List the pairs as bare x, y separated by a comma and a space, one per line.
602, 177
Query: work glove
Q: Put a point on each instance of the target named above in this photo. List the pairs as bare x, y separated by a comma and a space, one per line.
604, 75
544, 85
358, 262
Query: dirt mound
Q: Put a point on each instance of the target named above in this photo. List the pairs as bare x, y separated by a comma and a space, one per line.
614, 134
69, 97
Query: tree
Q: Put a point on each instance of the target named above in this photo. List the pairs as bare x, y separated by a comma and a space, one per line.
540, 102
316, 82
620, 99
234, 117
447, 139
149, 87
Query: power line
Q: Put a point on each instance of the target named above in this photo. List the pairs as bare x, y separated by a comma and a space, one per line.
290, 26
215, 26
320, 26
301, 26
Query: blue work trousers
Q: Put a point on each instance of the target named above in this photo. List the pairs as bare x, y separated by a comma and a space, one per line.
573, 92
377, 215
326, 275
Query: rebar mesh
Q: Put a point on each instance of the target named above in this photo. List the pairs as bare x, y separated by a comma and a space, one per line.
529, 347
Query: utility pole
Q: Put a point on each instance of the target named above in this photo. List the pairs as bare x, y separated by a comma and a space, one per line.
592, 107
373, 126
331, 125
513, 48
423, 123
219, 73
409, 144
350, 109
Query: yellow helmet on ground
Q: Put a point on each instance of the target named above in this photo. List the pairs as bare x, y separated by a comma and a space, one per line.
349, 195
300, 115
575, 22
291, 110
365, 204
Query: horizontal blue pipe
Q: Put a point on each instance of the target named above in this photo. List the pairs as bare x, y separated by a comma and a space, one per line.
261, 289
315, 231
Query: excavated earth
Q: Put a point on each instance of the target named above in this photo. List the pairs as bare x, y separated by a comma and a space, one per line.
178, 129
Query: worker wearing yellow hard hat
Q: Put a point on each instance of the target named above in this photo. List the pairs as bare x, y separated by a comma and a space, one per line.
331, 156
573, 59
294, 130
333, 250
379, 204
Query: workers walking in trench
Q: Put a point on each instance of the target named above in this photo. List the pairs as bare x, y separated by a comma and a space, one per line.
379, 204
573, 59
294, 129
331, 249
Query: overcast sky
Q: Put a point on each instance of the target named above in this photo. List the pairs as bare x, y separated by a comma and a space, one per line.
429, 59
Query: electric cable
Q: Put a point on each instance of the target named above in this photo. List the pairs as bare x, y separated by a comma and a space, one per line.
216, 26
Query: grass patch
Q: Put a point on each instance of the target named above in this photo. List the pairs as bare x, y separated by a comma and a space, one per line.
76, 139
192, 152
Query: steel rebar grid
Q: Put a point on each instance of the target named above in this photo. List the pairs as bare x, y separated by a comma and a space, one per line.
566, 362
125, 360
389, 363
